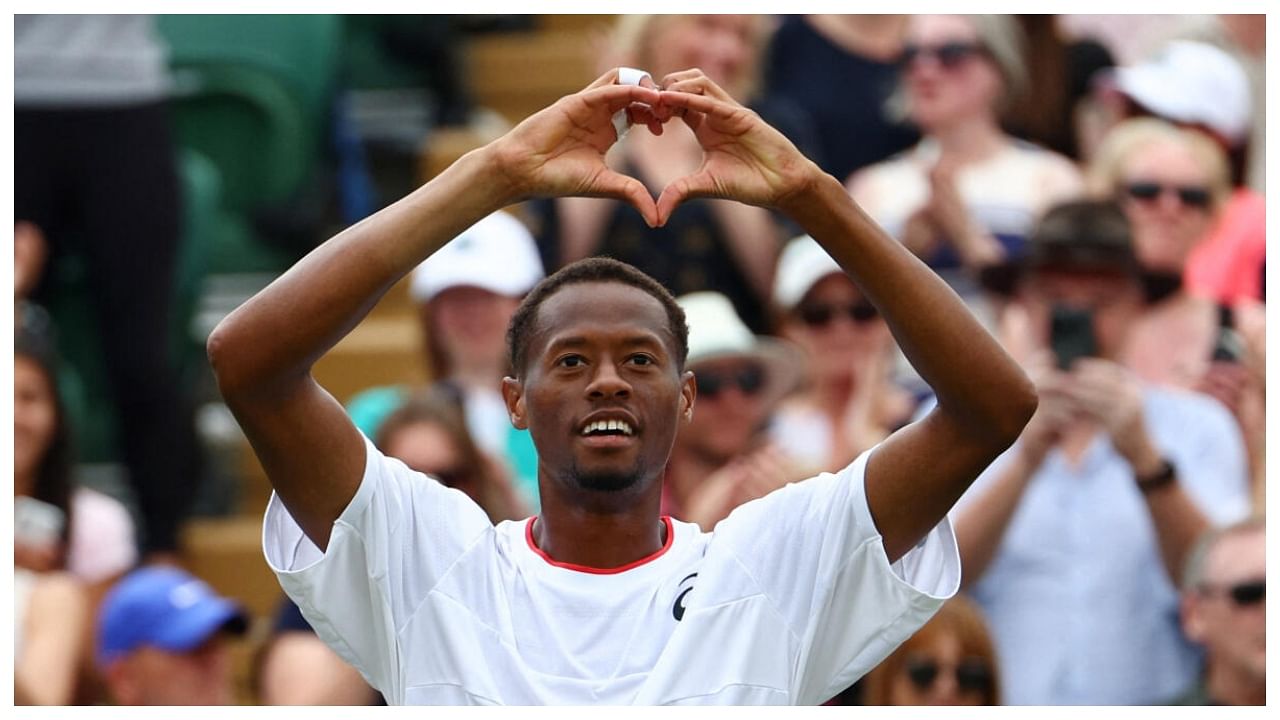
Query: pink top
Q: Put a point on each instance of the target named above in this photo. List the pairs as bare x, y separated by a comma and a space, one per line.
1228, 266
102, 541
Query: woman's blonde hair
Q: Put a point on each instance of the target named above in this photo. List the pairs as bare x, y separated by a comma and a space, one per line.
958, 617
631, 43
1106, 171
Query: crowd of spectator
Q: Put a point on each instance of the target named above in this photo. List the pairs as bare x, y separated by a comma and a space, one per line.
1095, 194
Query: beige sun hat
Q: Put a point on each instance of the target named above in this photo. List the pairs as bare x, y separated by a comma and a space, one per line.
717, 332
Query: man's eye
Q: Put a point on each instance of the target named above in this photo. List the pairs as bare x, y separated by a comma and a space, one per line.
641, 359
570, 361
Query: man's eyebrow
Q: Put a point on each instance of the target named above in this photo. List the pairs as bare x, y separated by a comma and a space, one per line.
577, 341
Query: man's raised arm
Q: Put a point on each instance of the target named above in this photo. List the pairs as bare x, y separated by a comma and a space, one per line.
262, 353
984, 399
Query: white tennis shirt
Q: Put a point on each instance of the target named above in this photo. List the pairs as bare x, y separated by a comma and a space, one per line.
788, 601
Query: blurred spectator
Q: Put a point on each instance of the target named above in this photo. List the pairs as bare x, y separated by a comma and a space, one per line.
707, 244
841, 69
296, 668
1073, 539
848, 402
50, 619
1203, 88
92, 535
1173, 186
1224, 611
162, 640
428, 434
95, 157
466, 294
59, 525
721, 458
966, 196
949, 661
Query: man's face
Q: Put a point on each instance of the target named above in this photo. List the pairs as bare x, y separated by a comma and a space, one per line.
151, 676
602, 393
1113, 299
730, 408
1232, 633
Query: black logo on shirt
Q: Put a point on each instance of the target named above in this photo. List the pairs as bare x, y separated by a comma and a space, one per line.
677, 609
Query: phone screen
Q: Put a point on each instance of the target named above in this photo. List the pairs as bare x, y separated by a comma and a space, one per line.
1071, 335
36, 522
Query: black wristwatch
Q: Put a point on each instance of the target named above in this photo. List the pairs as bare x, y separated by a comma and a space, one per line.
1162, 477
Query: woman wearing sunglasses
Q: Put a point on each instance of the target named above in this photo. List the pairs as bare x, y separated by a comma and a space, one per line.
848, 402
1173, 185
949, 661
966, 196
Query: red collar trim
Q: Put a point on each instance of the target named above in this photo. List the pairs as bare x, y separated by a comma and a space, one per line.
671, 535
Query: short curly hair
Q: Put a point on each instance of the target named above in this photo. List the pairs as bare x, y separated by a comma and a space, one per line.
594, 269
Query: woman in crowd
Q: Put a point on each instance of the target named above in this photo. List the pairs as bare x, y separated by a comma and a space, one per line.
848, 402
70, 542
707, 244
429, 435
966, 196
466, 295
949, 661
1173, 185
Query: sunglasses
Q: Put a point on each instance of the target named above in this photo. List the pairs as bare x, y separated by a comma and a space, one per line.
820, 315
1193, 196
971, 675
749, 380
949, 55
1245, 594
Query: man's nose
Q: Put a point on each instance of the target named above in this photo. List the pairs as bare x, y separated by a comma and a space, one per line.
607, 382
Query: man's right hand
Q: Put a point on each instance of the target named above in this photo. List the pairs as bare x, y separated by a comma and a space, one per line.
560, 151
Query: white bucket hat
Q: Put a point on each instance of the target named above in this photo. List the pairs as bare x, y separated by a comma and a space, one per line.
497, 254
716, 332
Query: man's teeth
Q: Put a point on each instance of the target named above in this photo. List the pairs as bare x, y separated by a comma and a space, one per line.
608, 426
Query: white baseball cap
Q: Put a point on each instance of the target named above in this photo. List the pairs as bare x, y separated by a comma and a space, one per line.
497, 254
717, 332
1194, 83
802, 264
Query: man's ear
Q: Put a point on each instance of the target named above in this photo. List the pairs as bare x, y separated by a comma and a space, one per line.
688, 392
513, 396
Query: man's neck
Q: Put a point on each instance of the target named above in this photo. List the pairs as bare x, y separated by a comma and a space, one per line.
686, 470
1235, 688
572, 533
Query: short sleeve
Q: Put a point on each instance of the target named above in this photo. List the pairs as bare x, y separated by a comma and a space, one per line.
813, 549
398, 536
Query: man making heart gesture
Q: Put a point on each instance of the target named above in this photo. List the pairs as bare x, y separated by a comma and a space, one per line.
599, 599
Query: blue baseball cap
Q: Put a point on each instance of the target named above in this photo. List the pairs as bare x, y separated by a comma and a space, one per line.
163, 607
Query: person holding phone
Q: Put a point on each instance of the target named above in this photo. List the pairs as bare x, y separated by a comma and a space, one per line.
1074, 539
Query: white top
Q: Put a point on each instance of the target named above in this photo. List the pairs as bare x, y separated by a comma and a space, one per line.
789, 601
